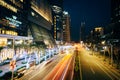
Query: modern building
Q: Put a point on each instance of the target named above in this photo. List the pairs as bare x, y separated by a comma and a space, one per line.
21, 19
115, 18
99, 31
96, 35
57, 12
115, 11
40, 22
82, 31
13, 26
113, 28
66, 27
13, 20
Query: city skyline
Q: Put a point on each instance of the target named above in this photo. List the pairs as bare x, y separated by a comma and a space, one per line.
35, 41
93, 13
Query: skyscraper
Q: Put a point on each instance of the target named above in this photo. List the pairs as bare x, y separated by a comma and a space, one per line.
115, 11
66, 27
40, 21
115, 19
82, 31
57, 13
13, 19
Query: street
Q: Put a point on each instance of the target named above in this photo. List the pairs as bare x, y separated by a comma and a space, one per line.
73, 64
59, 40
91, 68
86, 67
41, 71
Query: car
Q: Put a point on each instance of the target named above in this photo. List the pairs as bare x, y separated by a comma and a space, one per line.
20, 75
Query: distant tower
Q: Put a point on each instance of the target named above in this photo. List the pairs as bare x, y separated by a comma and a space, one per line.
66, 27
82, 31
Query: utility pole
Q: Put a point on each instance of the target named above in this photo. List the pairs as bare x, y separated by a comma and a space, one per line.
111, 54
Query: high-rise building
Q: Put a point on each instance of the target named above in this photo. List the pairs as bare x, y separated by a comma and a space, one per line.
82, 31
27, 18
115, 11
13, 19
114, 27
57, 12
40, 21
66, 27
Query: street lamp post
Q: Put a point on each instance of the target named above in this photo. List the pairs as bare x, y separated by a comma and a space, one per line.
104, 51
111, 53
103, 43
12, 64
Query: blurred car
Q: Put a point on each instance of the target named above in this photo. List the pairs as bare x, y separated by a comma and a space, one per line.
20, 75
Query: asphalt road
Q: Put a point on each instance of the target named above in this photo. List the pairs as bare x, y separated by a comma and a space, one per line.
60, 70
82, 66
40, 71
92, 69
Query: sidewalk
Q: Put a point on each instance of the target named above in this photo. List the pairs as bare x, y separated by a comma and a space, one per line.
6, 67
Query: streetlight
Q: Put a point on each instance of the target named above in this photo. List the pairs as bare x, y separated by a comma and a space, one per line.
103, 43
111, 53
104, 51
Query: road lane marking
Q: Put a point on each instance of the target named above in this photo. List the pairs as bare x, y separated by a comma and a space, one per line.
38, 71
67, 68
41, 66
90, 67
80, 69
92, 70
107, 71
62, 65
104, 71
64, 58
110, 72
113, 74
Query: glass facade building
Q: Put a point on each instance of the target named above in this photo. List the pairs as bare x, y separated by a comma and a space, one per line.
13, 20
40, 22
22, 19
57, 15
66, 27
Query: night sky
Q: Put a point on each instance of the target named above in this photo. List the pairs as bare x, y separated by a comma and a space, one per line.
92, 12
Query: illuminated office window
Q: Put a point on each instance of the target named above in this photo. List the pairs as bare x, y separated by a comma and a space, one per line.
3, 31
21, 0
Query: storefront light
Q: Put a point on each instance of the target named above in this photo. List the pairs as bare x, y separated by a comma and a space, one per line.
19, 42
3, 41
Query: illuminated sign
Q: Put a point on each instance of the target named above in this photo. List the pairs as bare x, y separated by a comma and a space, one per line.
9, 32
13, 22
6, 5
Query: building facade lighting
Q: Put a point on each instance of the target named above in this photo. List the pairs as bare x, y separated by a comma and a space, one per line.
6, 5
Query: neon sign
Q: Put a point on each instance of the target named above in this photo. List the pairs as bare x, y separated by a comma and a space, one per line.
13, 22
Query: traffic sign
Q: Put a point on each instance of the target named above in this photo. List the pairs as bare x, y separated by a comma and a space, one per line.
12, 64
